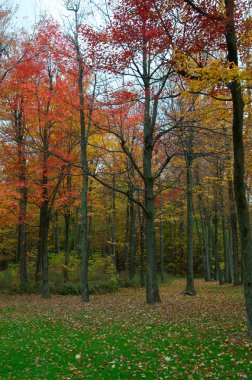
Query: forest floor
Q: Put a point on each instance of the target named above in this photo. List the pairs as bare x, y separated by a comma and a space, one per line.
118, 336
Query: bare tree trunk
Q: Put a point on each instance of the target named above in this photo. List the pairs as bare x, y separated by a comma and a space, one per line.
132, 240
67, 218
161, 240
142, 246
126, 251
57, 234
233, 226
23, 191
239, 178
190, 289
152, 289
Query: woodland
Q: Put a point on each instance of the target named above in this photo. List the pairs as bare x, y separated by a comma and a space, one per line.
125, 163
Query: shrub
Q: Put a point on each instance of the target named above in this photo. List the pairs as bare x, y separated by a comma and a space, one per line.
9, 279
102, 275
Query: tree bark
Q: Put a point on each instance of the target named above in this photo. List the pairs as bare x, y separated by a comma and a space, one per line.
152, 289
239, 177
161, 240
233, 226
190, 289
23, 191
84, 165
67, 218
142, 246
132, 240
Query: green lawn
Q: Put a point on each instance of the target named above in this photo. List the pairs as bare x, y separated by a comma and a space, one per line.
117, 336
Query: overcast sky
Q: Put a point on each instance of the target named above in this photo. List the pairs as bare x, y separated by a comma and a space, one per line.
29, 10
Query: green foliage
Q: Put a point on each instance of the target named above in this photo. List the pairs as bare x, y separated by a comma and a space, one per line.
102, 275
9, 279
66, 288
127, 282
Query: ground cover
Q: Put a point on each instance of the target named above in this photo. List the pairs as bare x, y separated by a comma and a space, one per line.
118, 336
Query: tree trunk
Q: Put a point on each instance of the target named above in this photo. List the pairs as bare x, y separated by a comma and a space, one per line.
218, 272
152, 289
57, 234
126, 252
161, 240
132, 240
233, 226
84, 165
67, 218
190, 289
113, 224
44, 228
142, 246
227, 252
205, 242
22, 237
239, 178
23, 191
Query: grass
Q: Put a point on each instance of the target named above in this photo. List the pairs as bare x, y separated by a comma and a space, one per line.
118, 336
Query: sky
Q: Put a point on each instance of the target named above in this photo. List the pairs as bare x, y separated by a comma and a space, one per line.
29, 10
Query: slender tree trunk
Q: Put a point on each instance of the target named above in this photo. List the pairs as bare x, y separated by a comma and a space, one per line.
205, 246
239, 178
142, 246
67, 218
205, 242
23, 191
113, 224
227, 252
22, 224
161, 238
44, 228
218, 272
84, 164
76, 231
233, 226
44, 219
132, 240
126, 258
190, 289
152, 289
22, 237
57, 234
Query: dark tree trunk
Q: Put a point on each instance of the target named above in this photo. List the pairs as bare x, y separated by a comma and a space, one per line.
57, 234
76, 231
22, 237
217, 268
190, 289
228, 275
43, 246
239, 178
207, 267
233, 226
126, 252
132, 240
204, 234
23, 191
161, 239
152, 289
142, 246
113, 224
84, 164
67, 218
